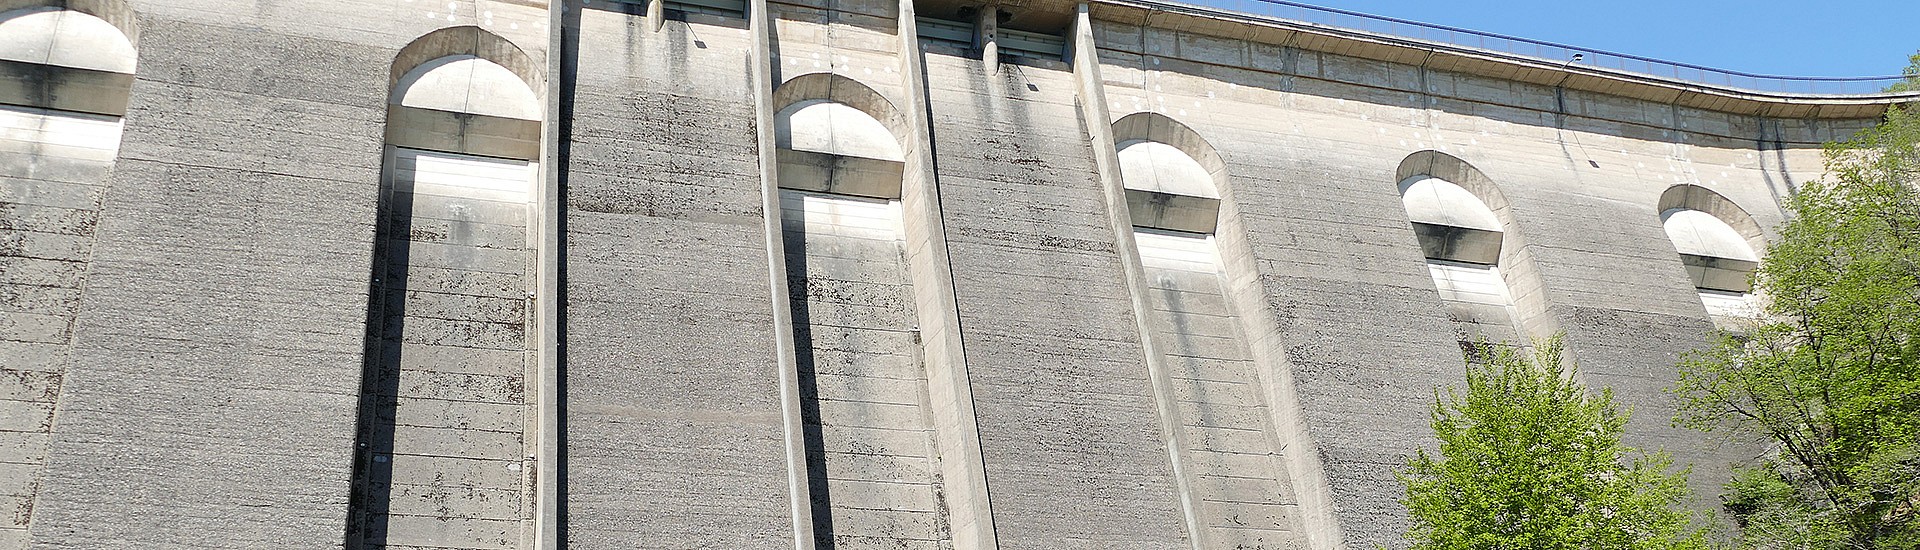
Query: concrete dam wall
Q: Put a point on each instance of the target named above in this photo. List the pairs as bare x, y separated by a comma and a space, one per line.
845, 274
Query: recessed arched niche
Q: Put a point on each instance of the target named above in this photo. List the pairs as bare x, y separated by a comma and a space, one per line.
1718, 243
1172, 175
1452, 223
466, 91
453, 284
860, 366
1455, 212
1202, 353
52, 57
833, 147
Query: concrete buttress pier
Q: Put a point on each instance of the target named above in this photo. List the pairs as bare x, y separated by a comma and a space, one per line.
820, 274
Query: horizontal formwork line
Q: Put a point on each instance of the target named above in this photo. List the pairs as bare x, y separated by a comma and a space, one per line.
1189, 355
385, 341
4, 282
817, 372
895, 482
1252, 502
830, 454
837, 506
442, 518
408, 396
1262, 421
513, 298
1214, 380
404, 340
522, 431
458, 457
877, 428
825, 399
873, 329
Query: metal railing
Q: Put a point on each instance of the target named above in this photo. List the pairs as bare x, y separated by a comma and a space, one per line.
1546, 51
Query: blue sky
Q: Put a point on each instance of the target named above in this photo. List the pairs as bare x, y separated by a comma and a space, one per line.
1781, 37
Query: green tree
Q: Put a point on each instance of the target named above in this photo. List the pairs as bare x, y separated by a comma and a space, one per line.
1829, 378
1529, 460
1912, 83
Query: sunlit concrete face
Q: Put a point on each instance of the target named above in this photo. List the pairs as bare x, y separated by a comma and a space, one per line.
468, 84
1162, 168
1220, 326
65, 38
822, 126
1701, 234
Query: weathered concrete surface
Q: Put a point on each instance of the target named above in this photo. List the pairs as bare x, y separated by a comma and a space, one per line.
1068, 427
443, 456
673, 420
55, 174
209, 394
1235, 465
870, 457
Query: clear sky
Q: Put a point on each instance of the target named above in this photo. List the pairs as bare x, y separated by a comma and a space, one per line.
1779, 37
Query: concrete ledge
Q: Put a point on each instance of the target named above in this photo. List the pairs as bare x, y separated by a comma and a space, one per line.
468, 133
1173, 212
1460, 59
1712, 273
1458, 244
64, 88
840, 174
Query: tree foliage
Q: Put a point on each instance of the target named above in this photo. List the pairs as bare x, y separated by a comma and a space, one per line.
1830, 377
1529, 460
1912, 83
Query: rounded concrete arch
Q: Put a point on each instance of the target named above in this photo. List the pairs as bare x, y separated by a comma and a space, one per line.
472, 43
1173, 177
1460, 174
1163, 146
1458, 212
1690, 212
815, 97
76, 56
53, 35
467, 84
465, 90
837, 136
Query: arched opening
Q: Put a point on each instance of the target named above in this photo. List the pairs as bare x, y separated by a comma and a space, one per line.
1171, 174
1174, 182
1717, 242
862, 376
465, 90
61, 59
445, 441
831, 147
64, 77
1463, 239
